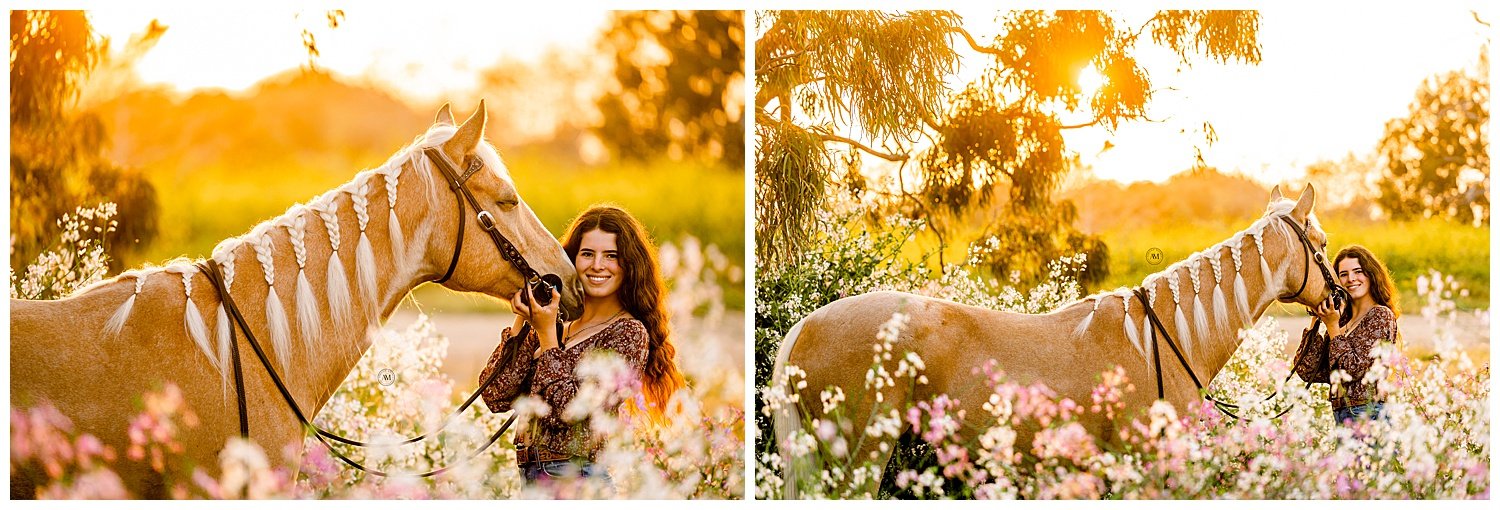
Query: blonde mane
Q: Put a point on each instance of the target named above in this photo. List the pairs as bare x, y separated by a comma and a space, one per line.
323, 208
1194, 265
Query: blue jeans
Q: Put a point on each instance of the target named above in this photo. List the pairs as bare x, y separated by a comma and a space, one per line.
1371, 411
554, 469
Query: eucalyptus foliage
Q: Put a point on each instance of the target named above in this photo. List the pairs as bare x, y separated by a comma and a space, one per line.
874, 84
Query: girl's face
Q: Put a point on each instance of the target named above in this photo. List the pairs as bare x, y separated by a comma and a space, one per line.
598, 264
1354, 279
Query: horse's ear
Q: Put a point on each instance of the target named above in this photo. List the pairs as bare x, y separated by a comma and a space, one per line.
445, 115
468, 135
1305, 202
1275, 192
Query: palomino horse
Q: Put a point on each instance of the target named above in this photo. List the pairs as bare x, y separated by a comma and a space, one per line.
390, 229
1066, 349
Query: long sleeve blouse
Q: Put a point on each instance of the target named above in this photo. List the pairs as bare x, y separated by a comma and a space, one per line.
556, 382
1350, 352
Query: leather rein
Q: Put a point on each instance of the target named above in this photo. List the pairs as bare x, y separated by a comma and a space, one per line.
1228, 408
507, 250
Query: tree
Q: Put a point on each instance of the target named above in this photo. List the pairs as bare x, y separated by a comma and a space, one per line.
872, 84
676, 92
57, 158
1435, 161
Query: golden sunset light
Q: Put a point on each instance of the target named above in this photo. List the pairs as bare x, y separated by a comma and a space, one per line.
469, 250
1164, 253
422, 54
1089, 80
369, 195
1329, 80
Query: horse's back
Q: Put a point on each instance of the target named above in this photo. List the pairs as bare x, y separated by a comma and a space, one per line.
836, 343
61, 356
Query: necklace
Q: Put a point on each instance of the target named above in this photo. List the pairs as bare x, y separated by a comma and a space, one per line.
570, 334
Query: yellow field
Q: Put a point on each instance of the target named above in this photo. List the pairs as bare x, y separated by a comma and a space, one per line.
1409, 249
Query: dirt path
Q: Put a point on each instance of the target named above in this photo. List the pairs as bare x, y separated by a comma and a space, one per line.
1471, 330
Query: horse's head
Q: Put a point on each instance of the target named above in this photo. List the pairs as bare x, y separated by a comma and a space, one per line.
480, 266
1307, 276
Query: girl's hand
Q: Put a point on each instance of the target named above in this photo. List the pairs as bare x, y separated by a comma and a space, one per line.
523, 312
544, 320
544, 315
519, 307
1328, 312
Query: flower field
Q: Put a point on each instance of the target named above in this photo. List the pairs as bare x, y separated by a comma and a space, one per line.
699, 454
1434, 444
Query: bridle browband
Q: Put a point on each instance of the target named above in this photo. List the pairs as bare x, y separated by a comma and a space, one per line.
508, 251
1228, 408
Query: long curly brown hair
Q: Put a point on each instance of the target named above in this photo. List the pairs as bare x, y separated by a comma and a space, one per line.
643, 293
1382, 287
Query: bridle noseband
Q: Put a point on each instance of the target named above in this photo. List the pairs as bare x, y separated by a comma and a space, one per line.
1337, 293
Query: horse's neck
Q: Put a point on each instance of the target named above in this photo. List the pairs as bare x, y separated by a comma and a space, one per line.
376, 278
1208, 351
393, 274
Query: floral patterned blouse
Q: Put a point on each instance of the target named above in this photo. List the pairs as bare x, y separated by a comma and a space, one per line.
556, 383
1350, 352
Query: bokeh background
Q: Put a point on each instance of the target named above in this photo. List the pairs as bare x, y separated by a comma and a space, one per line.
1113, 133
1022, 159
199, 123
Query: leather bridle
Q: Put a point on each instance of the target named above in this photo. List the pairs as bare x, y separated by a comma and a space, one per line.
1338, 293
486, 220
508, 251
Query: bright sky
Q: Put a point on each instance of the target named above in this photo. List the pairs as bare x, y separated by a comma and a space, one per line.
421, 52
1329, 79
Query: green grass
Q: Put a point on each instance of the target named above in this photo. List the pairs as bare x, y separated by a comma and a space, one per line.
1408, 249
673, 200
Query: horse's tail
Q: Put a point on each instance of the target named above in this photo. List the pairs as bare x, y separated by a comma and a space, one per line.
788, 419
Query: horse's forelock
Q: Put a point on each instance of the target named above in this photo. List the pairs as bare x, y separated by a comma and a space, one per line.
1279, 207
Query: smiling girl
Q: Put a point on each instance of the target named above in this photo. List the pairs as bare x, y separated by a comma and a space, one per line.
1373, 298
624, 311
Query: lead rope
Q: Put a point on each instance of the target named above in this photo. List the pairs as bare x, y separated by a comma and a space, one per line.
1221, 406
211, 268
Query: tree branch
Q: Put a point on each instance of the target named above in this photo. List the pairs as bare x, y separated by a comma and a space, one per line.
830, 137
1142, 29
975, 44
1083, 125
778, 61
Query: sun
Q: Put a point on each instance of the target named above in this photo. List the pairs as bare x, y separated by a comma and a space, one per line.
1089, 81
